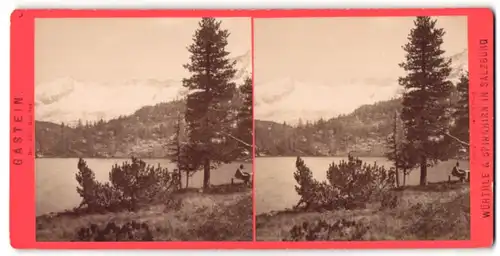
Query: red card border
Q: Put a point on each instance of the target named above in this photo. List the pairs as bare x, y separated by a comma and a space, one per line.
22, 181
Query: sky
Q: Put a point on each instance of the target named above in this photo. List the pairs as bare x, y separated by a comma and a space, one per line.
339, 56
338, 50
312, 68
117, 49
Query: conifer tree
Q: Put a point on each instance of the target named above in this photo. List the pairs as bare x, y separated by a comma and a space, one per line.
306, 184
300, 123
86, 185
175, 152
210, 91
394, 148
399, 151
63, 141
426, 91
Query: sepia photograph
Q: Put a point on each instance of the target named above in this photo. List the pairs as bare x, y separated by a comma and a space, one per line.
143, 129
361, 128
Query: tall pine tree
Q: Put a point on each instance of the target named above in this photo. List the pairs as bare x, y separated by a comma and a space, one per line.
211, 90
427, 90
399, 151
394, 148
176, 150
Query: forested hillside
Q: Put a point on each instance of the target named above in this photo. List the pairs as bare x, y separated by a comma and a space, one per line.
363, 132
145, 134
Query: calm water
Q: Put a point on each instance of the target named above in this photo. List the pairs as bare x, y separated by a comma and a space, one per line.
56, 183
275, 185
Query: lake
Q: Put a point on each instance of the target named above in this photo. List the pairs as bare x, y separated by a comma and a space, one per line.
275, 185
56, 183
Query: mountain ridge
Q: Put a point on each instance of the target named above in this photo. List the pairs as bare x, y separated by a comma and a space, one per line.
362, 132
61, 100
286, 99
146, 133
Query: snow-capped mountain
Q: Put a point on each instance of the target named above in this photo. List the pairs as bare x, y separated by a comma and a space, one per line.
459, 64
69, 100
243, 66
288, 99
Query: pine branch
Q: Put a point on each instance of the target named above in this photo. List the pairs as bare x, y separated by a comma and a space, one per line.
240, 141
458, 140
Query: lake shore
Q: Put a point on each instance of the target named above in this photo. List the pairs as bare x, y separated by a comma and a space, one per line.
439, 211
275, 184
56, 184
193, 216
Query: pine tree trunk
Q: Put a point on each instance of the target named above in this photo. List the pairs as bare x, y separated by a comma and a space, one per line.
423, 171
179, 173
206, 174
187, 179
133, 201
404, 177
396, 146
397, 177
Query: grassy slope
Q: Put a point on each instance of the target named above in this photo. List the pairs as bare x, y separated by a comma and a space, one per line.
437, 212
202, 217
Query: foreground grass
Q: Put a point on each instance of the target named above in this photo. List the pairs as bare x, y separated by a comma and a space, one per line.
434, 212
200, 217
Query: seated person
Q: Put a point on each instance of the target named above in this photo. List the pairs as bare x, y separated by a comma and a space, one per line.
459, 173
245, 176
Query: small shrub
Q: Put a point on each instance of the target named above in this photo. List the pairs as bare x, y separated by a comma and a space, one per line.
437, 220
340, 230
131, 185
322, 197
131, 231
87, 187
351, 184
172, 204
355, 183
228, 223
138, 182
307, 186
108, 198
389, 201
